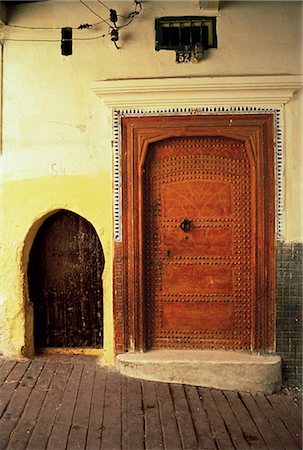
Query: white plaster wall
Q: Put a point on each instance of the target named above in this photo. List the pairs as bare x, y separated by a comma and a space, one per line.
50, 115
56, 132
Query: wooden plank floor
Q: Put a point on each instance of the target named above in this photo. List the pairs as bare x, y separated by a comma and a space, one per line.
70, 403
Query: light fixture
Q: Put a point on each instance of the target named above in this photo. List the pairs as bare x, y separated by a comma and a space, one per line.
199, 52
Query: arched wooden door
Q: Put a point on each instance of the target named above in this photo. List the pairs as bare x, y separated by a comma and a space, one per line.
199, 244
65, 283
196, 265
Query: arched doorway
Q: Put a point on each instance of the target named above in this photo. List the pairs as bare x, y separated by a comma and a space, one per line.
198, 243
198, 232
65, 269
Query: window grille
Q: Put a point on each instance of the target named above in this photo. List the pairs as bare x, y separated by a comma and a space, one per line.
182, 33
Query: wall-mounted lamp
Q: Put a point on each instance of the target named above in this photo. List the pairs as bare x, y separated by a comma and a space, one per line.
199, 52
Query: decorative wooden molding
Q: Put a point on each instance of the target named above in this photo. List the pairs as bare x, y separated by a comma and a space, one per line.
196, 91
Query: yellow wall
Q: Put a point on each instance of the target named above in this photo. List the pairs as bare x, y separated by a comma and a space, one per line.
57, 149
33, 200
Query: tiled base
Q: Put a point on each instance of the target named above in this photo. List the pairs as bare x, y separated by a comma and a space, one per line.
289, 310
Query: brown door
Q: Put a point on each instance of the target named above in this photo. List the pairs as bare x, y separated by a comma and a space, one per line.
196, 265
198, 244
64, 274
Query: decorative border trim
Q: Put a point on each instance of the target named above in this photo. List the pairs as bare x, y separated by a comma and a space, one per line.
196, 91
204, 110
117, 176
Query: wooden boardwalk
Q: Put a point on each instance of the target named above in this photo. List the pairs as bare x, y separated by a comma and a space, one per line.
72, 403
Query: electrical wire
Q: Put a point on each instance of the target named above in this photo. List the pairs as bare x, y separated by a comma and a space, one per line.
126, 24
91, 38
31, 40
119, 15
52, 28
132, 15
33, 28
94, 12
103, 4
56, 40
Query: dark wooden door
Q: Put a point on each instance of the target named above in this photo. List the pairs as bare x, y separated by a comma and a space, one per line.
199, 244
65, 283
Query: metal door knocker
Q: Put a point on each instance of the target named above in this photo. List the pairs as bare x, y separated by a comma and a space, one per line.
185, 225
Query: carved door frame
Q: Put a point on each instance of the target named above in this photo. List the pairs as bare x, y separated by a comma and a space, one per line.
257, 131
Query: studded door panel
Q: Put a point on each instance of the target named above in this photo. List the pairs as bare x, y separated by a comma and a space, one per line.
198, 244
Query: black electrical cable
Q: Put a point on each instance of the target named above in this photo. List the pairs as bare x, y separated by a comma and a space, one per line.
126, 24
132, 15
56, 40
32, 40
33, 28
96, 14
103, 4
54, 28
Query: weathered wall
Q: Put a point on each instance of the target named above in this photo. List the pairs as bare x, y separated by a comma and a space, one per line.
56, 132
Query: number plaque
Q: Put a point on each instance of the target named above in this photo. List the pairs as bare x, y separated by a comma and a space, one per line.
183, 57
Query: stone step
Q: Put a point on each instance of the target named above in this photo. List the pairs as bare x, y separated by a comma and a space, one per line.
219, 369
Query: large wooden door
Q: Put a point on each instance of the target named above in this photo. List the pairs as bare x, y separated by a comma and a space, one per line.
64, 275
196, 265
199, 243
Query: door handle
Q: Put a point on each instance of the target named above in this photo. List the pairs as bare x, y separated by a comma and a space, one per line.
185, 225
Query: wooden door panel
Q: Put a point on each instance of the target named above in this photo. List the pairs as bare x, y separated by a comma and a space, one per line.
180, 199
199, 241
205, 241
189, 317
193, 278
65, 283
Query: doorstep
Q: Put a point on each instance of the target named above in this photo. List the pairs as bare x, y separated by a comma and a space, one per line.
86, 351
219, 369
